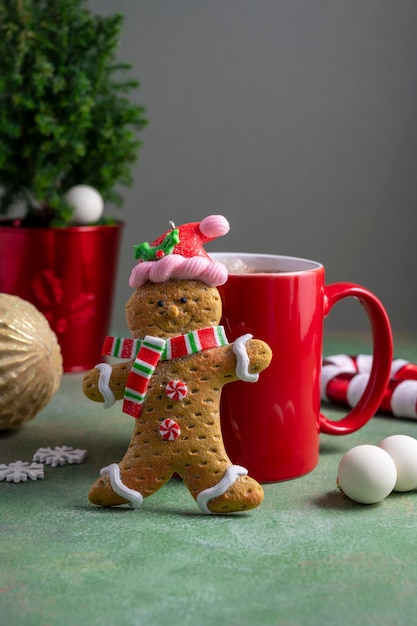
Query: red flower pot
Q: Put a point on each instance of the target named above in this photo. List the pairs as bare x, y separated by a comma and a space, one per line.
69, 275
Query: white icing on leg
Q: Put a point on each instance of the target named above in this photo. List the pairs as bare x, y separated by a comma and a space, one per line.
232, 474
242, 365
135, 497
103, 384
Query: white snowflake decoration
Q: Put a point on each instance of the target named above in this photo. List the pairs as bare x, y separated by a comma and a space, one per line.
60, 455
20, 471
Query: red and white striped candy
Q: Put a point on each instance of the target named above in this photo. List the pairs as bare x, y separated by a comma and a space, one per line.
344, 379
176, 390
169, 430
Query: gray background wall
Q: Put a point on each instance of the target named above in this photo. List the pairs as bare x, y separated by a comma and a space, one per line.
297, 119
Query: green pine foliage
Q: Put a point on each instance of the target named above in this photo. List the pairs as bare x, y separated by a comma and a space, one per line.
65, 113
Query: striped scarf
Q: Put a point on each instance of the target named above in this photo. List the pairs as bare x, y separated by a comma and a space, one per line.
149, 351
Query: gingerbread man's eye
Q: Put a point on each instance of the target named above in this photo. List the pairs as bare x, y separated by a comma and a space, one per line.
183, 300
161, 303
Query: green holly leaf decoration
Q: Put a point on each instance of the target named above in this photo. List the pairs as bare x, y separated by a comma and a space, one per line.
146, 252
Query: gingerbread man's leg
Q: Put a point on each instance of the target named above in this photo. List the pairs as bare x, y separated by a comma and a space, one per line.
127, 483
226, 491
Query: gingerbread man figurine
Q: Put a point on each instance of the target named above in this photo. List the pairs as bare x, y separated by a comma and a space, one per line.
177, 360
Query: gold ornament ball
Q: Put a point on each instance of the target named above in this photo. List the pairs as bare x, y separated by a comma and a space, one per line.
30, 362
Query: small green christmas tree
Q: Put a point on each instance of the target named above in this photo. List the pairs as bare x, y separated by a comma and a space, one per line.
65, 116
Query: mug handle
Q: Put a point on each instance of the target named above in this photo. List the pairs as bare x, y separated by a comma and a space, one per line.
382, 357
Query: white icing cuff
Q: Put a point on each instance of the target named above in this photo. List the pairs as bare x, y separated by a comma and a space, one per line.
232, 474
242, 365
135, 497
103, 384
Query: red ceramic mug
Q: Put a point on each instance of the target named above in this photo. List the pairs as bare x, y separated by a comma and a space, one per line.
272, 427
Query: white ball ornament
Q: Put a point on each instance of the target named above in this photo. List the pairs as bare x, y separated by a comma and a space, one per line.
86, 202
366, 474
403, 451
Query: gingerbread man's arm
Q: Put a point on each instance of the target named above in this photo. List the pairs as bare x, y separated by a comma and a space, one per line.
117, 382
259, 356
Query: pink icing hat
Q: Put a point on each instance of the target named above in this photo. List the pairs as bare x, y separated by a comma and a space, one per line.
179, 253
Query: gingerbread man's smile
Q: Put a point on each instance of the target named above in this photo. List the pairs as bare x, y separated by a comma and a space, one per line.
172, 318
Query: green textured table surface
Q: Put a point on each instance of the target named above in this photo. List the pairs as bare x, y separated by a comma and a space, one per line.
308, 555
